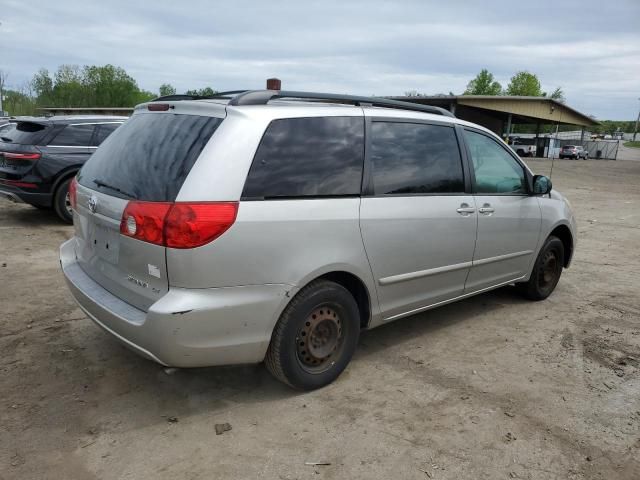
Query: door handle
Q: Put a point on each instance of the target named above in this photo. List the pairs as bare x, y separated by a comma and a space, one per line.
486, 209
465, 210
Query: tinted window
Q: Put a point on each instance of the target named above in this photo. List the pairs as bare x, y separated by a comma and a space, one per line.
74, 136
23, 133
149, 157
495, 170
415, 158
308, 157
103, 131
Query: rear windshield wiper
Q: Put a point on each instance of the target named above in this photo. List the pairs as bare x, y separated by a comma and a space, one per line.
100, 183
6, 139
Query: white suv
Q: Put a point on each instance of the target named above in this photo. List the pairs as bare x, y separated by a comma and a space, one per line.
272, 225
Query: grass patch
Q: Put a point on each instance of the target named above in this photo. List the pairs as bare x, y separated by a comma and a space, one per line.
632, 144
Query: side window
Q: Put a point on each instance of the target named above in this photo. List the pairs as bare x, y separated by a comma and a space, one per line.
495, 170
103, 131
415, 158
308, 157
74, 136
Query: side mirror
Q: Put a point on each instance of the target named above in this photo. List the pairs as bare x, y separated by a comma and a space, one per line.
541, 185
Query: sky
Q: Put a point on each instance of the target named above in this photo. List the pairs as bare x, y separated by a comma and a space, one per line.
590, 48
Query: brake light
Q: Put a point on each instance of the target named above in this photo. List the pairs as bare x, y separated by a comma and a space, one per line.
21, 156
190, 225
145, 221
177, 225
158, 107
73, 192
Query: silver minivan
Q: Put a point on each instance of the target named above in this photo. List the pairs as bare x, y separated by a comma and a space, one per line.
275, 226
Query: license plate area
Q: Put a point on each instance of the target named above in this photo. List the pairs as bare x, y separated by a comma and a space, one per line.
104, 241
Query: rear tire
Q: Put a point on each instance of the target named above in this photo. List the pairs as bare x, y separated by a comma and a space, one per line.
61, 203
315, 337
546, 271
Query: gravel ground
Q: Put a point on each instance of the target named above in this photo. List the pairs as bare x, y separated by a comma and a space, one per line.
492, 387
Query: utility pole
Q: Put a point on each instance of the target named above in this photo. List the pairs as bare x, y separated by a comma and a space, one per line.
635, 131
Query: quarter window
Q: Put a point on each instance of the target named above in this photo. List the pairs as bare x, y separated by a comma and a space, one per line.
103, 131
308, 157
74, 136
412, 158
495, 170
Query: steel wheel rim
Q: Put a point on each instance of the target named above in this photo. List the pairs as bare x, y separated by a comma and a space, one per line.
67, 203
320, 339
548, 269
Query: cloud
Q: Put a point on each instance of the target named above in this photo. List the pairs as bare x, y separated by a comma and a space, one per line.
372, 47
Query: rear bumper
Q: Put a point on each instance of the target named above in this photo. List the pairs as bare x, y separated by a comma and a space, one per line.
186, 327
18, 195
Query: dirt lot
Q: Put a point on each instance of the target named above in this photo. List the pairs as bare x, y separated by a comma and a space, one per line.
493, 387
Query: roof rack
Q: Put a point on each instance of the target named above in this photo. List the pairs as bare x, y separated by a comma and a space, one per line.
183, 96
262, 97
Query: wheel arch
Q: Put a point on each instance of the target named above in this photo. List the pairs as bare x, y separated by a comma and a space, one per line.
563, 232
62, 177
354, 284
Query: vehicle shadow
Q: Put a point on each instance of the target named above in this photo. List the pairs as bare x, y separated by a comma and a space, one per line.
136, 383
21, 214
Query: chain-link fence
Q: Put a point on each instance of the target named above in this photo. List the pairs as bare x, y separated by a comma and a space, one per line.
599, 149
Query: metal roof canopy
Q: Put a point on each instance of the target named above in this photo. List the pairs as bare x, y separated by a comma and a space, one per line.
528, 110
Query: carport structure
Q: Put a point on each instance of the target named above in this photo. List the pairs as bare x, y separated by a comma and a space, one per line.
500, 113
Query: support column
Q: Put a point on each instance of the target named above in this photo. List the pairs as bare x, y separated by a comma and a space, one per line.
582, 134
508, 127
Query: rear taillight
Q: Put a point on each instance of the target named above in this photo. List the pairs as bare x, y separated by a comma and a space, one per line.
73, 193
177, 225
21, 156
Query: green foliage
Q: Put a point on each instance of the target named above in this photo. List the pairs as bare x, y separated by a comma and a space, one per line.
167, 89
632, 144
525, 84
203, 92
610, 126
483, 84
87, 86
18, 103
558, 95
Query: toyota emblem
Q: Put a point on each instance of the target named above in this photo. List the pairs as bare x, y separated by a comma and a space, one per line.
92, 204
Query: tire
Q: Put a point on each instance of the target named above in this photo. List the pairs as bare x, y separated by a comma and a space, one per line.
315, 337
546, 271
60, 202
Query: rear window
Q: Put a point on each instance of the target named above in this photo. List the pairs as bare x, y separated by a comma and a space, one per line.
569, 146
74, 136
23, 133
308, 157
149, 157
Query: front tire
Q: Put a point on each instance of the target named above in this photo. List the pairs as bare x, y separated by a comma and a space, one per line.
61, 202
315, 337
546, 271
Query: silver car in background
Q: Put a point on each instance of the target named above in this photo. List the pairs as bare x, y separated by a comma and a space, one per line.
274, 226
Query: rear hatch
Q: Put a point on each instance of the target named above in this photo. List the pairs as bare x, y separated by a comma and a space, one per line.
18, 151
145, 160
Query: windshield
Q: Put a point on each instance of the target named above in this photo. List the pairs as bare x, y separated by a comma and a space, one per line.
149, 157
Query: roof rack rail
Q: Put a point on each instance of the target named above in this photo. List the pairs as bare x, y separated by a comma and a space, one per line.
176, 97
262, 97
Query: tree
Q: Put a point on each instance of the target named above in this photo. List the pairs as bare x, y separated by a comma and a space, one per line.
167, 89
483, 84
42, 85
558, 95
203, 92
3, 81
525, 84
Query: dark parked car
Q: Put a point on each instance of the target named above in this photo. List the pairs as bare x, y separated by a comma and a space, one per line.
574, 151
40, 155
